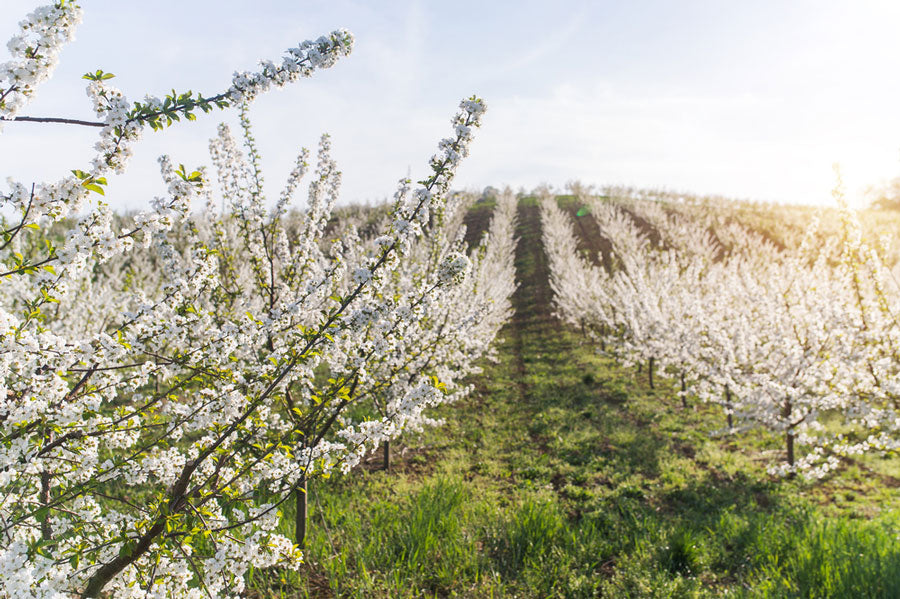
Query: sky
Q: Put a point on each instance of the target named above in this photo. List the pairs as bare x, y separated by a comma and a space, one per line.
754, 100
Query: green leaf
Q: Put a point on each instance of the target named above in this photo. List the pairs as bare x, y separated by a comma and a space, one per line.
97, 76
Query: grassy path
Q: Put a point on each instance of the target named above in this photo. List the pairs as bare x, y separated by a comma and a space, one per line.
563, 475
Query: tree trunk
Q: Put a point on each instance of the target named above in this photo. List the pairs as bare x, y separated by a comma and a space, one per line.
728, 407
108, 571
788, 435
683, 392
387, 455
46, 531
790, 449
301, 516
650, 372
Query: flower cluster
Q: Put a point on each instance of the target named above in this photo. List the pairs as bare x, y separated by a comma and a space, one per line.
301, 61
35, 50
453, 268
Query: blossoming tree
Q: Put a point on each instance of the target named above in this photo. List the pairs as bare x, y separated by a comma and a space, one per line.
799, 341
171, 379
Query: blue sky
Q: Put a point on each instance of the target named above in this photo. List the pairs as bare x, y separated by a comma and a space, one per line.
754, 100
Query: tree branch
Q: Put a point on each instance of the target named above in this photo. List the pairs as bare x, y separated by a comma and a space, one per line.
50, 119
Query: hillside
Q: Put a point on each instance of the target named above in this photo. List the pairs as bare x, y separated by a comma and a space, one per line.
565, 475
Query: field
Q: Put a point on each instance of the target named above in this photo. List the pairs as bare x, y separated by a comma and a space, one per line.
565, 475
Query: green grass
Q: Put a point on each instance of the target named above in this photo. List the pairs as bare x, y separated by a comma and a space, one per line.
563, 475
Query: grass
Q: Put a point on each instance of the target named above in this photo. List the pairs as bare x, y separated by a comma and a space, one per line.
564, 475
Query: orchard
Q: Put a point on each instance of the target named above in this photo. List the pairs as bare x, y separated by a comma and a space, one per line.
470, 386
